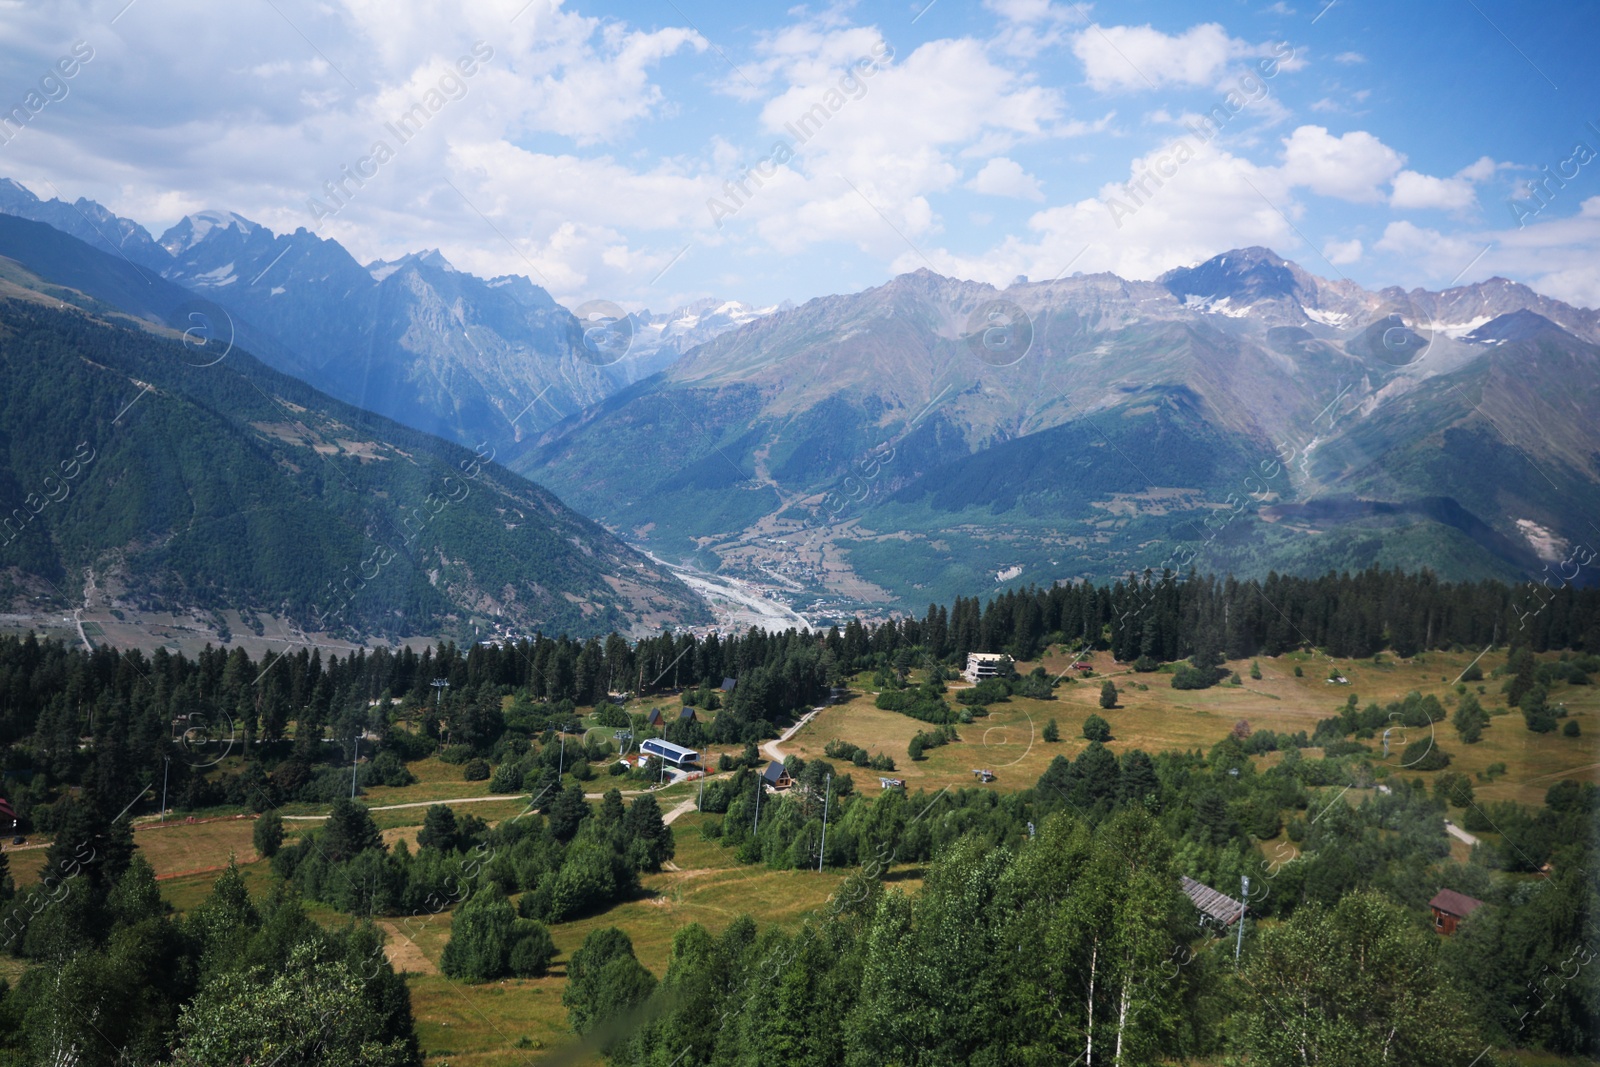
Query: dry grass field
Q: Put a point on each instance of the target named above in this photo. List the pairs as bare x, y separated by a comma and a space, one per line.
1157, 717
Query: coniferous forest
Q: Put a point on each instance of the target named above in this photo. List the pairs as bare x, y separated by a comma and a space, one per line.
1049, 927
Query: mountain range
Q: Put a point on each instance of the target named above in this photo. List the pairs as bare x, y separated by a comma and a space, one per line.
156, 470
470, 359
933, 437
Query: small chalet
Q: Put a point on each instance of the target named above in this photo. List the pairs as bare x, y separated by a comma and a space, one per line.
1449, 908
1215, 907
728, 684
686, 715
654, 718
777, 776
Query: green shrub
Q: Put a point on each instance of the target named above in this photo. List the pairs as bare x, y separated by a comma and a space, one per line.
507, 778
531, 949
268, 833
1424, 755
476, 770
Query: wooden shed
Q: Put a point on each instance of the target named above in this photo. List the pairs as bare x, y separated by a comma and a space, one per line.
1215, 907
1449, 908
777, 776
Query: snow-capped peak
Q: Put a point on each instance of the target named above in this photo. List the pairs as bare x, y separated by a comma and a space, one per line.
192, 229
381, 269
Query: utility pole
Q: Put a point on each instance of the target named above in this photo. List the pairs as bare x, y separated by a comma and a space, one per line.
561, 768
439, 686
759, 790
822, 849
355, 759
1239, 941
166, 765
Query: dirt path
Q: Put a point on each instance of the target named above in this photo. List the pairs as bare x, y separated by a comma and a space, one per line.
771, 750
682, 809
459, 800
1559, 774
77, 618
403, 953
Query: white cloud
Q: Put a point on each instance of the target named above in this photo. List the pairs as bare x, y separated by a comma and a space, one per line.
1005, 177
1481, 171
893, 137
1033, 10
1341, 253
1212, 202
1142, 57
1349, 57
1413, 191
1028, 27
1351, 167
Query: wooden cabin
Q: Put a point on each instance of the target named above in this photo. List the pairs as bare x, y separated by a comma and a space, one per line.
1449, 908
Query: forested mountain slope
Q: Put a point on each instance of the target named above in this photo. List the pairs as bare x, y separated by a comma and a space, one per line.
177, 471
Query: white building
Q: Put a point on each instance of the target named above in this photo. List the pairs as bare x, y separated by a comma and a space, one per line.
981, 665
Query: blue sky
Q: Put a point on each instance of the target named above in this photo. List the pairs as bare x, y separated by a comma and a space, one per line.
1384, 143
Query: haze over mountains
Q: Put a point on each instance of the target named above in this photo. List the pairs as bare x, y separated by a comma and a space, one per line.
931, 437
166, 473
471, 359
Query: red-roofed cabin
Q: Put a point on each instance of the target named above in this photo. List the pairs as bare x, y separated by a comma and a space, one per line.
1449, 908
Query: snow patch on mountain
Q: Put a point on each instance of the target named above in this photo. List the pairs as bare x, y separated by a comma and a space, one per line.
219, 277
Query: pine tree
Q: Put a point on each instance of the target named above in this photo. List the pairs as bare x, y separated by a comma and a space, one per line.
1138, 777
349, 831
438, 828
649, 838
1108, 694
568, 812
1052, 732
